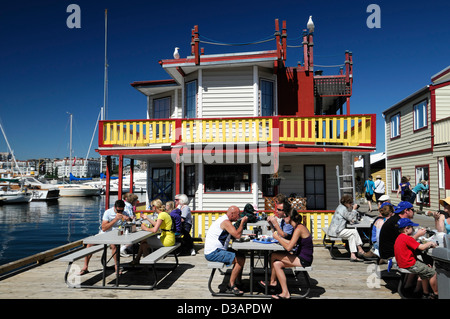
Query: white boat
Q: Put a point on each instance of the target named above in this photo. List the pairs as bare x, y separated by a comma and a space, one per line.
139, 183
13, 196
77, 190
39, 191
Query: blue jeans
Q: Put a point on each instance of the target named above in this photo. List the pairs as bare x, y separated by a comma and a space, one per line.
221, 255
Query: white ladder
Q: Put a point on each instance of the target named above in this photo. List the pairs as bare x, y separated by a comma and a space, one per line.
340, 188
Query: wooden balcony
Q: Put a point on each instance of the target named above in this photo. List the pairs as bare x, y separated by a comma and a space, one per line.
354, 131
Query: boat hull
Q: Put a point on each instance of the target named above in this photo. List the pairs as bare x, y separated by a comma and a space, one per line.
78, 191
14, 198
44, 194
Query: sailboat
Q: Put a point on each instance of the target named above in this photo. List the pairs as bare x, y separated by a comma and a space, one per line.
76, 190
10, 195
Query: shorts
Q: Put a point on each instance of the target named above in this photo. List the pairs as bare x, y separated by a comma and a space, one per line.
422, 270
221, 255
369, 197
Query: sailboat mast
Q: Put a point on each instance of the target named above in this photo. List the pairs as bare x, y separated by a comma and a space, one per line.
70, 145
105, 89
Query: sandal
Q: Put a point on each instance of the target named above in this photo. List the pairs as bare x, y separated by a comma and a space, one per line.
355, 260
83, 272
263, 285
235, 290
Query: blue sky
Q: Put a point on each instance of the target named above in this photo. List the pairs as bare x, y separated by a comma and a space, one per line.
48, 69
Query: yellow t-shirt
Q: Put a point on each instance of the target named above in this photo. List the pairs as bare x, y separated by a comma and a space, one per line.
167, 236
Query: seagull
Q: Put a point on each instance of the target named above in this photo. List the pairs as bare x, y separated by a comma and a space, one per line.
310, 25
176, 55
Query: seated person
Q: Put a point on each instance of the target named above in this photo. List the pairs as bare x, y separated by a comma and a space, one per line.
299, 253
346, 213
284, 229
405, 248
216, 245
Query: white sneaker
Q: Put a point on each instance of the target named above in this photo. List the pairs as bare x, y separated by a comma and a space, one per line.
193, 252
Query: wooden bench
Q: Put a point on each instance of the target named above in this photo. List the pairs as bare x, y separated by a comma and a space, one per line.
329, 243
78, 255
158, 254
295, 270
404, 273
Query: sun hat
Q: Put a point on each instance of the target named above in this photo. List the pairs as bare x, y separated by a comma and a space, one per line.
404, 222
402, 206
384, 198
445, 201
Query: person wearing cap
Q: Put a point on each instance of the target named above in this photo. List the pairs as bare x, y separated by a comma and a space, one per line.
405, 248
442, 217
389, 230
421, 187
382, 199
379, 188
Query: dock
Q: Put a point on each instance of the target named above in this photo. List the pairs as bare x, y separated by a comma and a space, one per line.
331, 279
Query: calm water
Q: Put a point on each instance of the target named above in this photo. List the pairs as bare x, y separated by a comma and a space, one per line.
28, 229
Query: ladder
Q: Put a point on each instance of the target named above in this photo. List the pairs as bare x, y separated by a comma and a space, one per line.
339, 182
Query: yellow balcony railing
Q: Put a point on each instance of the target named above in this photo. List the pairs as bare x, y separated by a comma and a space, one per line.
355, 130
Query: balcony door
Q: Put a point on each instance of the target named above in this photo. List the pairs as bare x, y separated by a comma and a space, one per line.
162, 184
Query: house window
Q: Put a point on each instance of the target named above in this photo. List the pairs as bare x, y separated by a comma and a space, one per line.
191, 99
441, 173
422, 173
315, 186
161, 108
396, 176
267, 100
395, 125
420, 115
189, 180
227, 178
162, 185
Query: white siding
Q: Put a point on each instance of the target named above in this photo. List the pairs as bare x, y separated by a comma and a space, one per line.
293, 182
442, 102
228, 92
409, 139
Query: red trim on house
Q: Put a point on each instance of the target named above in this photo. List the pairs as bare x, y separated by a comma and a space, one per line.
440, 75
420, 152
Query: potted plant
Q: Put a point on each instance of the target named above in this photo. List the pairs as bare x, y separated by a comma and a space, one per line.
274, 180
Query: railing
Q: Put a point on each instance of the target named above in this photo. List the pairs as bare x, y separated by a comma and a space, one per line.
442, 131
313, 220
355, 130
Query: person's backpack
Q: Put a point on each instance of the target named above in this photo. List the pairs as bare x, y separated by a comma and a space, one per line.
176, 221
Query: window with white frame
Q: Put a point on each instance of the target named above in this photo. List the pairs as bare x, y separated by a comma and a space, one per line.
395, 125
420, 115
422, 173
396, 176
441, 173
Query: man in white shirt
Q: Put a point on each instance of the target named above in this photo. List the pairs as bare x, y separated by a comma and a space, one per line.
216, 244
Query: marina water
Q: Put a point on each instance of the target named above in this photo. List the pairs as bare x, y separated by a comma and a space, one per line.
31, 228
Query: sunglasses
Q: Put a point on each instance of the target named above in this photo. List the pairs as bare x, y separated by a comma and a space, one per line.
119, 210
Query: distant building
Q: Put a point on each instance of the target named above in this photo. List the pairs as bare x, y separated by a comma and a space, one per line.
418, 141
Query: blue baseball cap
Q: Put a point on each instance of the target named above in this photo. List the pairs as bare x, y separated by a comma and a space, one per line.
404, 222
385, 204
402, 206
